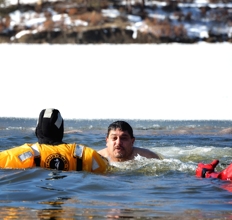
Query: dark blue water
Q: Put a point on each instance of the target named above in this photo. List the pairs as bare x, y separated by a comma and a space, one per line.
139, 189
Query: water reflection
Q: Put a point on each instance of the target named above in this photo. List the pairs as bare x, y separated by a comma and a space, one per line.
76, 213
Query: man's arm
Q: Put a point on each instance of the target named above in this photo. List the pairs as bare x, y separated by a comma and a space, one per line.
147, 153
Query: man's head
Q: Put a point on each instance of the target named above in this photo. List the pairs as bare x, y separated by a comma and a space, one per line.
120, 140
50, 127
121, 125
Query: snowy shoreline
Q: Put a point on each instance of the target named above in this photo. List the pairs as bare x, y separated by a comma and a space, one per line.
69, 22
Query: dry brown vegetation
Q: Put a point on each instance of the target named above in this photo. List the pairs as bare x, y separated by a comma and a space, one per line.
96, 28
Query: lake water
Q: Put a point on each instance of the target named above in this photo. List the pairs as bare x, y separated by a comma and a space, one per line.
139, 189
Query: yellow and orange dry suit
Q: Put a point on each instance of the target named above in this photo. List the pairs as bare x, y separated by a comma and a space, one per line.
60, 157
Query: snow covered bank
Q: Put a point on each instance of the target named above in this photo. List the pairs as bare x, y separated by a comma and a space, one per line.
174, 22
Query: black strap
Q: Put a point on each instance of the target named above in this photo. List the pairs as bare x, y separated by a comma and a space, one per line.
37, 161
204, 170
79, 164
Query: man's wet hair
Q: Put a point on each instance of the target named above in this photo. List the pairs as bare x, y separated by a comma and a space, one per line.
121, 125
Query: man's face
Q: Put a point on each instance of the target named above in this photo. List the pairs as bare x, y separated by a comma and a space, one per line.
119, 144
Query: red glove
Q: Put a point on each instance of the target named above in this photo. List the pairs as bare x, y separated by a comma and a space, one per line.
207, 170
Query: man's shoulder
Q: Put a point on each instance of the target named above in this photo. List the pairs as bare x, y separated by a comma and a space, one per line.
103, 152
145, 153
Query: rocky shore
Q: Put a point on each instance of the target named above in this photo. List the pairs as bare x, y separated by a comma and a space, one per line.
115, 22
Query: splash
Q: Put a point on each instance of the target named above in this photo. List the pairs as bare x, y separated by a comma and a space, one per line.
144, 166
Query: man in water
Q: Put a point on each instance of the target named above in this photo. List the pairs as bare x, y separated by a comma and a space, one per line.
51, 152
120, 144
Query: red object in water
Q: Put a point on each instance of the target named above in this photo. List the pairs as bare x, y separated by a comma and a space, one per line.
204, 170
226, 174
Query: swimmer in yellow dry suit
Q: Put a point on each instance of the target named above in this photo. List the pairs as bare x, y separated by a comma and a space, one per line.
51, 152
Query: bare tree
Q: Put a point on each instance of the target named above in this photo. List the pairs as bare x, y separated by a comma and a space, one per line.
143, 3
129, 5
2, 2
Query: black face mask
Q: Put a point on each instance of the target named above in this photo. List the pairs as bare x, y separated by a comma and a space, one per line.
50, 127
